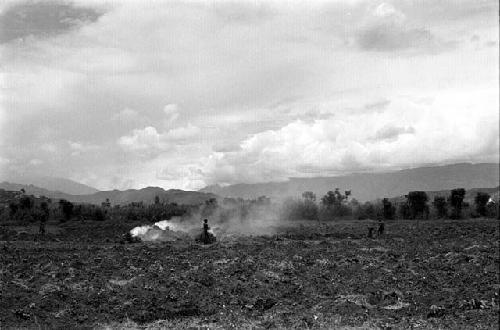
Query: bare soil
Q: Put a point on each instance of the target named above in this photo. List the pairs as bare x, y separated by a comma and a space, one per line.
441, 274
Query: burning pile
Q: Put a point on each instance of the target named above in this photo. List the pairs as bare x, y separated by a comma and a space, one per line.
172, 230
162, 231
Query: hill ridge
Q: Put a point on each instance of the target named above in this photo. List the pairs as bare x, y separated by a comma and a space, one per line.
146, 195
369, 186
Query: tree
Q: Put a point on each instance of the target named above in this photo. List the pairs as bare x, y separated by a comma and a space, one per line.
492, 209
106, 204
309, 196
99, 214
456, 200
388, 209
309, 208
66, 209
44, 206
13, 207
439, 204
26, 203
210, 207
329, 199
334, 204
404, 210
368, 211
481, 200
417, 201
299, 209
157, 200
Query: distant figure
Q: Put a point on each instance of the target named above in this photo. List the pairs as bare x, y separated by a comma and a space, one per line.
44, 216
370, 232
206, 228
41, 229
381, 227
206, 237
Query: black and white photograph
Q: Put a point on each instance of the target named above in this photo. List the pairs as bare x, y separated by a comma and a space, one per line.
249, 164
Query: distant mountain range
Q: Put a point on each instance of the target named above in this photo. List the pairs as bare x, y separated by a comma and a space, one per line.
370, 186
364, 187
52, 183
146, 195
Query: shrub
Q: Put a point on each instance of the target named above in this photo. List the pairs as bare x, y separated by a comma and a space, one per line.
481, 200
456, 200
439, 204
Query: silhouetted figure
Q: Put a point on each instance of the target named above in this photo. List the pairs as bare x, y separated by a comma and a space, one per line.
206, 228
41, 229
370, 232
206, 237
381, 227
44, 216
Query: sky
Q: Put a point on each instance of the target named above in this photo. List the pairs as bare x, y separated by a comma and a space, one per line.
184, 94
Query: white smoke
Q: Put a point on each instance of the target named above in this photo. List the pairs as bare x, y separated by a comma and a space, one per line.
168, 225
140, 231
225, 222
164, 231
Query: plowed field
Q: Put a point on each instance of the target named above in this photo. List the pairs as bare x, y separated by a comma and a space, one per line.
441, 274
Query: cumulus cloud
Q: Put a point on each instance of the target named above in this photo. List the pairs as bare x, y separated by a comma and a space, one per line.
377, 106
171, 112
42, 19
392, 132
49, 147
126, 115
389, 30
197, 93
184, 133
389, 37
36, 162
77, 148
150, 139
141, 139
442, 133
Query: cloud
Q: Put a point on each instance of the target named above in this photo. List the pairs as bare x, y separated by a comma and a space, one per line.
141, 139
171, 112
243, 12
36, 162
226, 146
181, 133
403, 135
149, 139
42, 19
389, 37
49, 147
392, 132
126, 115
378, 105
389, 30
232, 92
78, 148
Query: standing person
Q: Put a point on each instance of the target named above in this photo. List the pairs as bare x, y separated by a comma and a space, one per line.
41, 229
44, 216
381, 227
206, 228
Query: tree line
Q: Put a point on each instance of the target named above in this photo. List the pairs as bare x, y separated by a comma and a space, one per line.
415, 205
333, 205
26, 209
